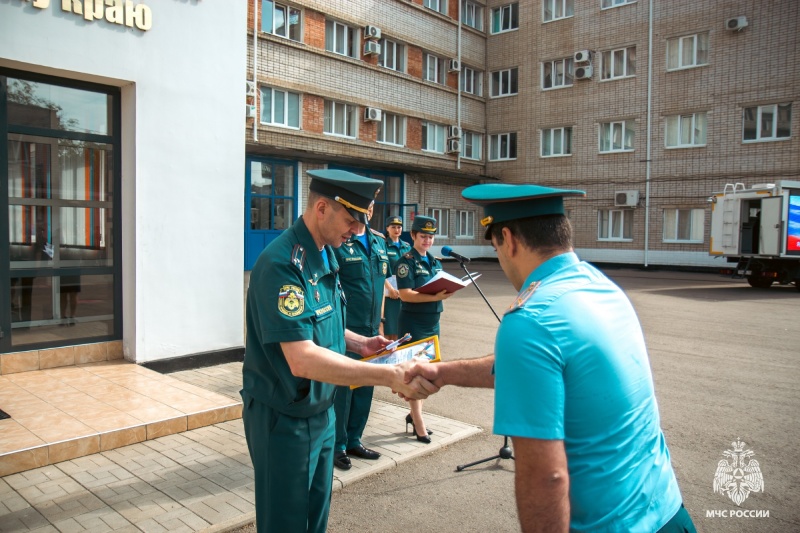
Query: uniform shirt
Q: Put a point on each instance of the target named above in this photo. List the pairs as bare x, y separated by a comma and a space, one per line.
395, 251
292, 297
414, 271
362, 272
571, 364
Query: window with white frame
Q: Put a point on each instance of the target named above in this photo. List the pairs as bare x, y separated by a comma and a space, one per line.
503, 146
619, 63
441, 216
767, 122
435, 69
341, 39
436, 5
615, 224
504, 82
282, 20
556, 142
472, 81
465, 224
685, 131
471, 145
505, 18
557, 9
687, 51
557, 73
605, 4
392, 129
617, 136
684, 225
281, 108
472, 14
433, 137
393, 55
340, 119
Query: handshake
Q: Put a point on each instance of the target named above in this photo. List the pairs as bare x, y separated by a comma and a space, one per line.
417, 379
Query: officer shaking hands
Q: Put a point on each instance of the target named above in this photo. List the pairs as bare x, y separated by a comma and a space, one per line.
295, 342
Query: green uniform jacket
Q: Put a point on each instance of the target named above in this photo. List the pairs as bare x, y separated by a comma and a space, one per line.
396, 253
292, 297
362, 273
412, 272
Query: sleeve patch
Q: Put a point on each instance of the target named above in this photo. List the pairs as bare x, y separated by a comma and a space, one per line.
291, 300
402, 271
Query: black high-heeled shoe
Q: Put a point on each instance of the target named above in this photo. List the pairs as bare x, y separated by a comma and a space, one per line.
410, 420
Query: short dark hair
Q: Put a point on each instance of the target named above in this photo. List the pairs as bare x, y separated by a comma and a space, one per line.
545, 234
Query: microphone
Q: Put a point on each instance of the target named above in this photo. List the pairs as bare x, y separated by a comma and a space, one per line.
446, 250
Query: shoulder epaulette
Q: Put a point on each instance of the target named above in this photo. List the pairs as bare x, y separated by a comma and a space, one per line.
298, 254
408, 255
377, 233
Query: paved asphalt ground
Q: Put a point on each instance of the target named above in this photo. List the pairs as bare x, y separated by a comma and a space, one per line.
724, 359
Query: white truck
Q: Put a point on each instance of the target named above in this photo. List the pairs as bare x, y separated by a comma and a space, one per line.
758, 228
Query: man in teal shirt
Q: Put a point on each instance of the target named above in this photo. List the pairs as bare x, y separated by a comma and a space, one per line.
572, 380
363, 269
294, 350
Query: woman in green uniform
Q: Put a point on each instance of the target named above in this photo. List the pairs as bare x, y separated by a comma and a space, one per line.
395, 249
419, 313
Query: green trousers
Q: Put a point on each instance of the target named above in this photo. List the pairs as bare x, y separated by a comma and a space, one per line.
352, 411
680, 523
293, 464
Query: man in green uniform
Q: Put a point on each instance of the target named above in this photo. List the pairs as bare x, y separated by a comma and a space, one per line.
293, 357
363, 268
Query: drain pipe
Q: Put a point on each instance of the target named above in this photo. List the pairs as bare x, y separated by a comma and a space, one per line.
649, 135
255, 66
458, 84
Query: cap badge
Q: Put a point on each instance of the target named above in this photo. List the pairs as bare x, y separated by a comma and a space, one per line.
487, 221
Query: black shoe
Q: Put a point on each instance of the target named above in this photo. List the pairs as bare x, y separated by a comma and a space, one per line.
423, 438
410, 420
363, 453
341, 461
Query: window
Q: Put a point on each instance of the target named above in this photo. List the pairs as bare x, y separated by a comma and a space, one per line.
684, 225
435, 68
605, 4
556, 142
280, 108
503, 146
471, 81
340, 119
688, 51
341, 39
393, 55
441, 220
436, 5
614, 225
465, 224
767, 122
280, 20
557, 73
505, 18
392, 130
433, 137
619, 63
504, 82
272, 194
557, 9
471, 145
617, 136
686, 130
472, 14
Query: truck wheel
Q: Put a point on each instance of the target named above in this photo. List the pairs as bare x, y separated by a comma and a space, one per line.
759, 282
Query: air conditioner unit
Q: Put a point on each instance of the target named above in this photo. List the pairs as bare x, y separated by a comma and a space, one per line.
251, 110
736, 23
582, 56
453, 132
584, 73
372, 113
372, 32
454, 66
453, 146
371, 47
251, 88
626, 198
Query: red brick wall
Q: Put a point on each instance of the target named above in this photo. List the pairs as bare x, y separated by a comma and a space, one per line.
314, 29
414, 61
367, 130
413, 133
313, 113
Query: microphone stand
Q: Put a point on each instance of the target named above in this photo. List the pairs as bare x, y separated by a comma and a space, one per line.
505, 451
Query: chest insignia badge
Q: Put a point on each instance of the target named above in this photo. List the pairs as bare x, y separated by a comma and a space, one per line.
291, 300
402, 271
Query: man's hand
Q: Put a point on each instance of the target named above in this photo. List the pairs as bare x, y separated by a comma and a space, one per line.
416, 387
373, 345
